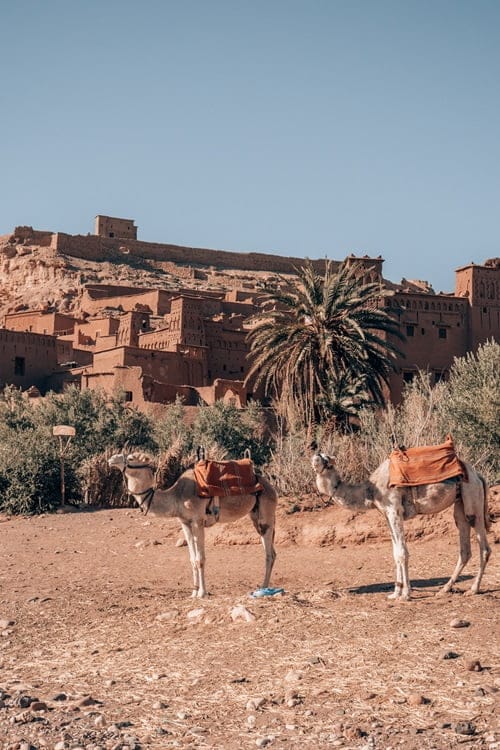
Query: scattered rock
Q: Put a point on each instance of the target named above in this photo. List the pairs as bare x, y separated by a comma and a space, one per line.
38, 706
24, 701
449, 655
158, 705
6, 624
196, 615
293, 676
354, 733
473, 665
253, 704
457, 623
242, 613
465, 727
88, 701
264, 741
415, 699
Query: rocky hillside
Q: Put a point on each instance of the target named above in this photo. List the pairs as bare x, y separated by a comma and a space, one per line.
36, 277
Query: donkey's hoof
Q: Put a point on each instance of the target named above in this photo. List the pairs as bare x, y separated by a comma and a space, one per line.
447, 590
472, 592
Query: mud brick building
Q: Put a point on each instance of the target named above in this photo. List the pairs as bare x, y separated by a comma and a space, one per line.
154, 344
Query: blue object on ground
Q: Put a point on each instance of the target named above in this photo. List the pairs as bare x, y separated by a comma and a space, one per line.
266, 592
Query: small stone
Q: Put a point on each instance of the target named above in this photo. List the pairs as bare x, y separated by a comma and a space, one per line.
196, 615
182, 715
473, 665
264, 741
100, 721
415, 699
293, 676
159, 705
60, 745
353, 733
465, 727
242, 613
198, 730
171, 615
449, 655
38, 706
457, 623
6, 624
89, 701
60, 697
253, 704
24, 701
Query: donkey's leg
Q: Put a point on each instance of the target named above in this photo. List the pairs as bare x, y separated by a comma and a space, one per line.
266, 533
394, 516
464, 551
198, 529
188, 534
484, 547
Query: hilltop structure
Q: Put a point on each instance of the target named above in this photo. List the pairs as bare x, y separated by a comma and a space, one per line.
155, 343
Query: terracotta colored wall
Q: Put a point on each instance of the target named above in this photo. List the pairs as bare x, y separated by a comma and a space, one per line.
32, 352
98, 248
480, 285
437, 330
105, 226
40, 322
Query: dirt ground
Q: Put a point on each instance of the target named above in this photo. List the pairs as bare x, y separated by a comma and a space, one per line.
102, 647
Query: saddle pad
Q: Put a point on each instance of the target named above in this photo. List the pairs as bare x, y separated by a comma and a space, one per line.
223, 478
428, 464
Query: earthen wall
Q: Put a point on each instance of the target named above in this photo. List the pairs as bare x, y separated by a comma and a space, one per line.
26, 359
98, 248
37, 321
110, 226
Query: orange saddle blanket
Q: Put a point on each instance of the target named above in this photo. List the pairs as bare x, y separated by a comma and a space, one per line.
427, 464
223, 478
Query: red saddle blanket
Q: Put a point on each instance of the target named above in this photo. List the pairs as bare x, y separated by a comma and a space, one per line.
427, 464
223, 478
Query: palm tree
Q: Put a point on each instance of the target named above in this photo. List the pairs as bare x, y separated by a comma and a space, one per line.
324, 329
344, 397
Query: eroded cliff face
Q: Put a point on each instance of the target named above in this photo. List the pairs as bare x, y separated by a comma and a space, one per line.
34, 277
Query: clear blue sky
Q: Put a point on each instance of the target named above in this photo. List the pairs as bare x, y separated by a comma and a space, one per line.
306, 128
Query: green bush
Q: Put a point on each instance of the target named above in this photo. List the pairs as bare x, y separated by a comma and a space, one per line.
30, 473
471, 408
29, 454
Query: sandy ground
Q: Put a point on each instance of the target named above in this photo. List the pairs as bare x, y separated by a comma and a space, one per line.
98, 626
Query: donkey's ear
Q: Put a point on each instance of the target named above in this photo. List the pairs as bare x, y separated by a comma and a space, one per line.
200, 453
313, 446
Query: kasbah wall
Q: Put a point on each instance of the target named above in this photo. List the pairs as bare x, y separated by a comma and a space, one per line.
156, 344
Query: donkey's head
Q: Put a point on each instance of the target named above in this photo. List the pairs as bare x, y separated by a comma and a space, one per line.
320, 462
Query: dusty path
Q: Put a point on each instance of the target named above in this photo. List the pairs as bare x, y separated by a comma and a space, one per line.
104, 636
